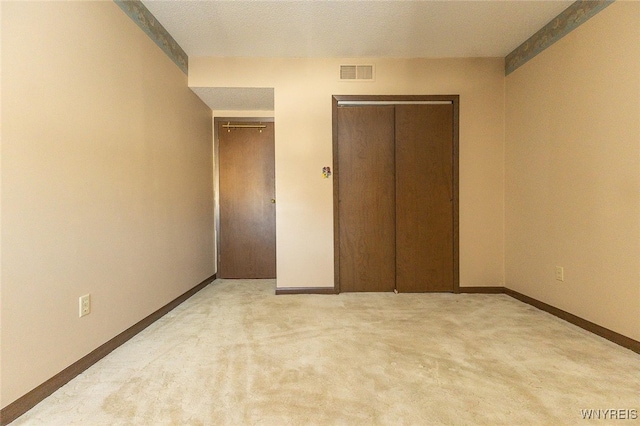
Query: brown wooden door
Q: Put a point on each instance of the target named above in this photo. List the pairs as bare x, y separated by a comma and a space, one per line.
366, 198
424, 198
247, 213
396, 215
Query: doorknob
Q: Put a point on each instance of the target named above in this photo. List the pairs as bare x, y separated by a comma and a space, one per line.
273, 201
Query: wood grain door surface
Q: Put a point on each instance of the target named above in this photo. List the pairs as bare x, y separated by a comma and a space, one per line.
424, 198
395, 213
367, 198
247, 213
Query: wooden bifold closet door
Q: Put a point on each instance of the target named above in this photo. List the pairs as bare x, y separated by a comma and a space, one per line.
367, 198
395, 196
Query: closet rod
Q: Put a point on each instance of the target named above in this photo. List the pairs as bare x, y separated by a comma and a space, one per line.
364, 103
244, 126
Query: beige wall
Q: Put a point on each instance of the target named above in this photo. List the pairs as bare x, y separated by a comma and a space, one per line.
106, 184
573, 172
303, 89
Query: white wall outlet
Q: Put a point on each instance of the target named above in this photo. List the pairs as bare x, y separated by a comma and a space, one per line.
85, 305
559, 273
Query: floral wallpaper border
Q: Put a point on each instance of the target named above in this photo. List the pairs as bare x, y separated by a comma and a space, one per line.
570, 19
150, 25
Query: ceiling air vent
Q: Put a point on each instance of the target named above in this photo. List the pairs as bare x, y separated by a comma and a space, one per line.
356, 72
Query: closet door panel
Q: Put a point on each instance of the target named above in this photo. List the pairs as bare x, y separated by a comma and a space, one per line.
424, 197
366, 198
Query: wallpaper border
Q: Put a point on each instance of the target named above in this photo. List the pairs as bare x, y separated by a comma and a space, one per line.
570, 19
150, 25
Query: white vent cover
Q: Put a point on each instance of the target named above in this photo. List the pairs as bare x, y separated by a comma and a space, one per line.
356, 72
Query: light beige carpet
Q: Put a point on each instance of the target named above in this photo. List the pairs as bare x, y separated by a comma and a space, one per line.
236, 354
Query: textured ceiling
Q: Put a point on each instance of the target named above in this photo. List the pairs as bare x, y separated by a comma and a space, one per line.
343, 28
237, 98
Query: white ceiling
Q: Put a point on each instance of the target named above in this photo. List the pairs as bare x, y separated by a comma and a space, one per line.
346, 29
237, 98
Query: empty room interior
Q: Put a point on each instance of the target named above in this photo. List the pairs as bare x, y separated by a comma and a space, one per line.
319, 212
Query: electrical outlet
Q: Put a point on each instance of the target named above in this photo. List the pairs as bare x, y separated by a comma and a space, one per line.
559, 273
85, 305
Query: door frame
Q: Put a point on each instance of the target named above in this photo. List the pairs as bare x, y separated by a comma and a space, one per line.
391, 99
216, 173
